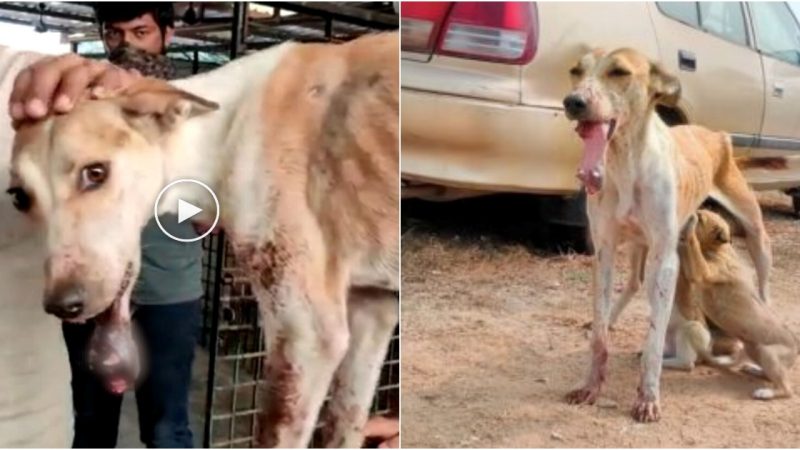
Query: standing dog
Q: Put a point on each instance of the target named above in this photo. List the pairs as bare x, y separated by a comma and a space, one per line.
644, 179
729, 299
300, 144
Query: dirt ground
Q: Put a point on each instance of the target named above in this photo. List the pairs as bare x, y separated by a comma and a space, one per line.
492, 340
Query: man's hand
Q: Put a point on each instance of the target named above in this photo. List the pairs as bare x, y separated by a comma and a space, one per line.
54, 84
384, 430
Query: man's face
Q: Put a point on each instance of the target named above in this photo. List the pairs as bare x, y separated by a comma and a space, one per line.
142, 33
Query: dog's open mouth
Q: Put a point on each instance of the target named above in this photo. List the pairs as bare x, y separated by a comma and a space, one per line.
595, 136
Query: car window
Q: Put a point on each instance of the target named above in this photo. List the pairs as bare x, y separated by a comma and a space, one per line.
725, 19
777, 32
685, 12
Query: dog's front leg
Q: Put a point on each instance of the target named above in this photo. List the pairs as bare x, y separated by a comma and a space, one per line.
605, 236
305, 330
372, 315
661, 278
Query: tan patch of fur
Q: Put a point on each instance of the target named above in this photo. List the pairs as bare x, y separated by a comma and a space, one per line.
332, 145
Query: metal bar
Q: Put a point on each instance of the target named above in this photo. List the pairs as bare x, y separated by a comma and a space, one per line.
238, 28
232, 443
250, 355
231, 386
30, 24
244, 412
46, 13
195, 62
214, 338
232, 428
341, 13
257, 377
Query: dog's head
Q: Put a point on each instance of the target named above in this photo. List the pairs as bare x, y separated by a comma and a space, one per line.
711, 230
610, 92
91, 177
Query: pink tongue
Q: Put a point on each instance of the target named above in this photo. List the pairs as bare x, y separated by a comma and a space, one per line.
118, 385
590, 171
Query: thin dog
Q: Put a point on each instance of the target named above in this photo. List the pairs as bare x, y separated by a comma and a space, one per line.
643, 180
300, 144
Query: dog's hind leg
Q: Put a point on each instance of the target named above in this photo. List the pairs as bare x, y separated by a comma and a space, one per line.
770, 358
691, 340
737, 197
372, 315
638, 256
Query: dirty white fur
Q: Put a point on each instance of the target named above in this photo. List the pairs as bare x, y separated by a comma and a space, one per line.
227, 141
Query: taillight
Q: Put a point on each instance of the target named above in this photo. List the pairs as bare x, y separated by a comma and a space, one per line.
420, 24
503, 32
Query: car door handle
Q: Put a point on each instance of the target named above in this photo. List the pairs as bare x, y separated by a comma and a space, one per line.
687, 61
777, 90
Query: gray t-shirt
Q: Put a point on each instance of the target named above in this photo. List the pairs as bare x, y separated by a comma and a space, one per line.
171, 270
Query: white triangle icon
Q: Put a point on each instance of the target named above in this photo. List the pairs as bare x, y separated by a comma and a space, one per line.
186, 210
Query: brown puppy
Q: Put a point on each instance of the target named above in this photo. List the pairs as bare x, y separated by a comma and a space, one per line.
730, 299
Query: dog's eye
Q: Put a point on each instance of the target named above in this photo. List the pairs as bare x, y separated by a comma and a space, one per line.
576, 72
22, 201
93, 176
618, 72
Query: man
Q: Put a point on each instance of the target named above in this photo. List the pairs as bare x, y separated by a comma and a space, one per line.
167, 294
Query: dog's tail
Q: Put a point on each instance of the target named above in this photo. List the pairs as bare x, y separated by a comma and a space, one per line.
763, 162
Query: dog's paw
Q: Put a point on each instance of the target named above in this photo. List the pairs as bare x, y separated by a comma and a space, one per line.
688, 228
764, 394
753, 370
646, 411
586, 395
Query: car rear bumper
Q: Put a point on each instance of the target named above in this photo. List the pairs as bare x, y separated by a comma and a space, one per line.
488, 146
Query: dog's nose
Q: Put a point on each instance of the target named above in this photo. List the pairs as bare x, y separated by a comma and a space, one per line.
575, 105
65, 301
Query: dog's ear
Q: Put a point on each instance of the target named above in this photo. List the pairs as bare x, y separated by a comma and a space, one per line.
164, 103
665, 88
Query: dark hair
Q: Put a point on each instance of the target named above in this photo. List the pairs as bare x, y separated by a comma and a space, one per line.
111, 12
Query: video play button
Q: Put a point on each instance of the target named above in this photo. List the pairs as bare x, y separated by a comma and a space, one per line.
186, 210
183, 197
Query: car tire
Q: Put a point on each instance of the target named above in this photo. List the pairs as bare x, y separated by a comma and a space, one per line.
796, 204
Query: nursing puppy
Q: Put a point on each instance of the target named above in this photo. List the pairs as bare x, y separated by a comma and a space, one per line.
729, 298
300, 144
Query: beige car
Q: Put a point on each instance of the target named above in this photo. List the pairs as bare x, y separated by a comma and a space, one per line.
483, 83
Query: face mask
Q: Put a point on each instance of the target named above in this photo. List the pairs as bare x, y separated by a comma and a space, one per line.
148, 64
